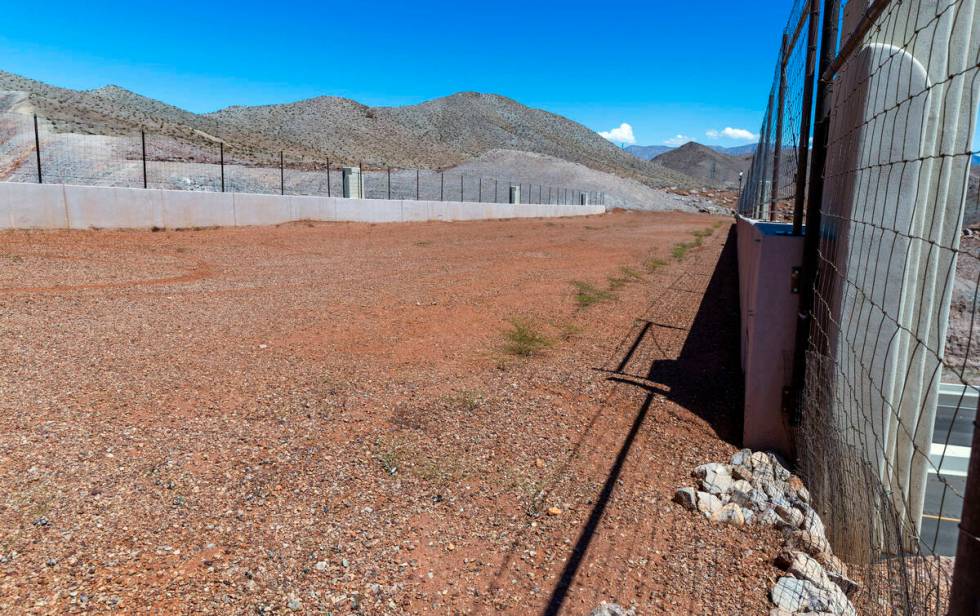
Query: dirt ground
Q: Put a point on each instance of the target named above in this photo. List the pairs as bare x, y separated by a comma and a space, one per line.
326, 418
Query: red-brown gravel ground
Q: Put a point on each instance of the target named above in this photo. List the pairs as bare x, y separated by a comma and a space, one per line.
322, 418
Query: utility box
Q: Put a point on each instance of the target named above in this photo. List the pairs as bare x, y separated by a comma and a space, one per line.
353, 183
515, 194
769, 257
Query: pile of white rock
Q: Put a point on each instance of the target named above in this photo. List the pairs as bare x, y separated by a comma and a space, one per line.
756, 488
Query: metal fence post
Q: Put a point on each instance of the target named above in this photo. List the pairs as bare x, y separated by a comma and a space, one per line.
360, 180
418, 177
389, 183
479, 192
282, 173
461, 186
777, 149
494, 190
964, 596
221, 145
37, 150
803, 160
328, 177
811, 239
442, 185
143, 141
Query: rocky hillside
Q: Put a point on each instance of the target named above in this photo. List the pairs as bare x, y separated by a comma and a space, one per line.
705, 164
435, 134
648, 152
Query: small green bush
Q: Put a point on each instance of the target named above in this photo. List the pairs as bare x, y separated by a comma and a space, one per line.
524, 339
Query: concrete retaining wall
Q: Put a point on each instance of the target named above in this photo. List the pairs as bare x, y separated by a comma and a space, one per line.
767, 254
60, 206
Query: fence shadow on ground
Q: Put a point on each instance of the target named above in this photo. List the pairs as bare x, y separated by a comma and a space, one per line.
704, 376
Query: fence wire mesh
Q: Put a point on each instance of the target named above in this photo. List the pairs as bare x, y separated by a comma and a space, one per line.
770, 185
198, 162
889, 400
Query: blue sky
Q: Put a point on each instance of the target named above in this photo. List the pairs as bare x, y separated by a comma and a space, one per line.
665, 68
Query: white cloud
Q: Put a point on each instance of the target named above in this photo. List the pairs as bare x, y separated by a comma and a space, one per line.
677, 140
623, 134
739, 134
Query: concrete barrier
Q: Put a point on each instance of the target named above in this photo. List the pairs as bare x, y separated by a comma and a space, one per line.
767, 254
62, 206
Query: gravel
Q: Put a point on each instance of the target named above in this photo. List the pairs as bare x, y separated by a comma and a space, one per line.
205, 420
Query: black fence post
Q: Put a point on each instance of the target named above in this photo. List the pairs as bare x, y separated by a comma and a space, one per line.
461, 176
362, 189
803, 160
964, 596
494, 190
479, 191
143, 141
418, 177
389, 183
811, 239
221, 145
37, 150
777, 149
442, 185
282, 173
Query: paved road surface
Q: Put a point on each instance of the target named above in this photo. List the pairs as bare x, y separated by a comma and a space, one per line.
943, 504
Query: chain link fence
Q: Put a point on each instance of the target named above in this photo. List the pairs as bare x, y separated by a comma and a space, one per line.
31, 150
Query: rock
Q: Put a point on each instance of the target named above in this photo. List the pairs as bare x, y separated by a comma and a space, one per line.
321, 566
742, 458
778, 611
711, 467
791, 516
770, 518
294, 604
553, 511
805, 541
729, 514
717, 480
846, 584
687, 498
748, 515
741, 485
796, 595
539, 463
745, 495
769, 486
759, 461
796, 488
805, 568
708, 504
779, 467
742, 472
812, 523
612, 609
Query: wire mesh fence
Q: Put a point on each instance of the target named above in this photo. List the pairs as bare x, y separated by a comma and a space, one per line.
770, 188
887, 372
32, 150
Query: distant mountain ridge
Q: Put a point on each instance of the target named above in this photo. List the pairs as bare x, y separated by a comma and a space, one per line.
435, 134
712, 167
650, 152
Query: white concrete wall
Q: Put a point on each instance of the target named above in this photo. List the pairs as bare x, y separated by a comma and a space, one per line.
59, 206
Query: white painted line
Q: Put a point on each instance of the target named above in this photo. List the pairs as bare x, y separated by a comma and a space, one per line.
954, 463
